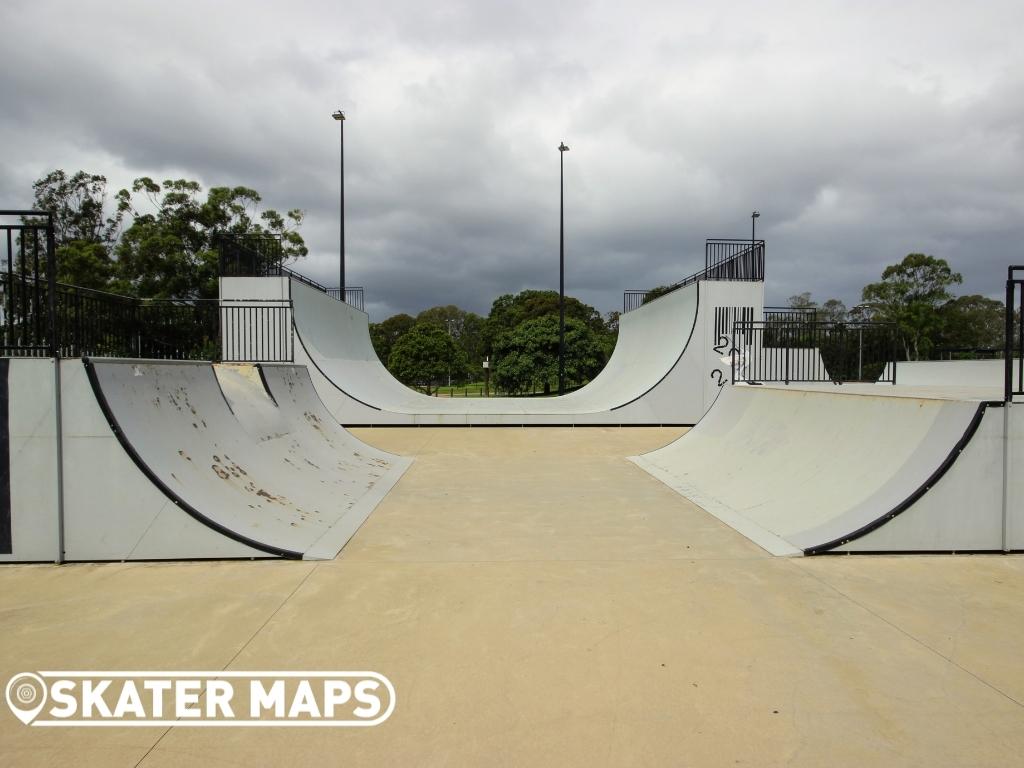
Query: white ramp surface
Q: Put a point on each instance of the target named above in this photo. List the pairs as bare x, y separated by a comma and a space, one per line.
651, 341
659, 373
270, 494
806, 470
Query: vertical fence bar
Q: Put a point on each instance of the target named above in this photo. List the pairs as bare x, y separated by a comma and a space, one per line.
52, 343
9, 297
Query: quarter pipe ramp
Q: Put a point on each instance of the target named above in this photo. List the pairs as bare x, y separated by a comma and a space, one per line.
808, 470
161, 462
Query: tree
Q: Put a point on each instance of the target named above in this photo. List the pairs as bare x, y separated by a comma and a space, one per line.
383, 335
834, 311
425, 356
466, 328
528, 354
508, 311
611, 321
802, 301
910, 294
78, 205
170, 253
84, 233
971, 322
658, 292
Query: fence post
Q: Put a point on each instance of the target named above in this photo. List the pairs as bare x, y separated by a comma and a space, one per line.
1011, 295
51, 283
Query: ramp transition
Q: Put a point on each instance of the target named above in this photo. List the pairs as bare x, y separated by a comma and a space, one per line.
809, 470
661, 371
160, 462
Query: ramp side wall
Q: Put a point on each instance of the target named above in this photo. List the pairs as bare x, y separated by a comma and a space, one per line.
32, 461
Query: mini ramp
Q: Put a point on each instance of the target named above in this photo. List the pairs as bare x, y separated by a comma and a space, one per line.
870, 469
661, 372
161, 462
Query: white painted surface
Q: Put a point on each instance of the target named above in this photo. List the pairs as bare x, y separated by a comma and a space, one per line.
955, 373
282, 474
271, 492
282, 411
659, 373
33, 460
796, 468
112, 511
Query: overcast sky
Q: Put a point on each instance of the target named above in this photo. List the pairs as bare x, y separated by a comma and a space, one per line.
862, 131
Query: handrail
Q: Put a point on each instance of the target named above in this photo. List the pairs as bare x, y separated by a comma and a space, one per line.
1014, 307
716, 267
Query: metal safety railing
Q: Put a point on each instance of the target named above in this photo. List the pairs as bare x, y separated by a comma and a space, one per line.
792, 314
789, 351
724, 259
27, 284
262, 255
1014, 333
256, 332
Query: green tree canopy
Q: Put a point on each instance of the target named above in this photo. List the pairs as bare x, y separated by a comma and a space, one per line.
383, 335
528, 354
84, 233
425, 356
166, 251
510, 310
658, 292
170, 251
971, 322
910, 294
466, 328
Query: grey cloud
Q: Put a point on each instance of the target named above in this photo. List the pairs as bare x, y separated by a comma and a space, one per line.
860, 135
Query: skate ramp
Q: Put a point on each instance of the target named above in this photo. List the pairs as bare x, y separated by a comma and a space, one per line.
286, 494
336, 339
808, 470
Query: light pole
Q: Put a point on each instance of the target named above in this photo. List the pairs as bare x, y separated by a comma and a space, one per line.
562, 149
340, 117
753, 220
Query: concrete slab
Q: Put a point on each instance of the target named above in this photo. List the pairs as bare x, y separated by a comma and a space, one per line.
963, 608
535, 494
119, 617
614, 650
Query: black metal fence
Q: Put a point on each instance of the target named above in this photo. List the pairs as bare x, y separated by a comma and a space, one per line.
108, 325
813, 351
790, 314
262, 255
1014, 338
27, 284
256, 332
723, 260
633, 299
726, 259
100, 324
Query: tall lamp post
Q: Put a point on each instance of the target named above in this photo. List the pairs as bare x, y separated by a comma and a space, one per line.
340, 117
753, 220
562, 149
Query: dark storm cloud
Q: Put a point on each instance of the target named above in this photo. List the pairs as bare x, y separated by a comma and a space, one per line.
861, 131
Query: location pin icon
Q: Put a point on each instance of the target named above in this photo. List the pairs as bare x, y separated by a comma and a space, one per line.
26, 696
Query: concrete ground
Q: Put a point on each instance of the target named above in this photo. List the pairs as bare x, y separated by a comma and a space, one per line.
538, 600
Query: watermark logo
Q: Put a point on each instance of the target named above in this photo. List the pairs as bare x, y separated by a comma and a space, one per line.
212, 698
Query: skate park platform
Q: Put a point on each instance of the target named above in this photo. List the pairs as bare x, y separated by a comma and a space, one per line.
813, 469
662, 372
171, 460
